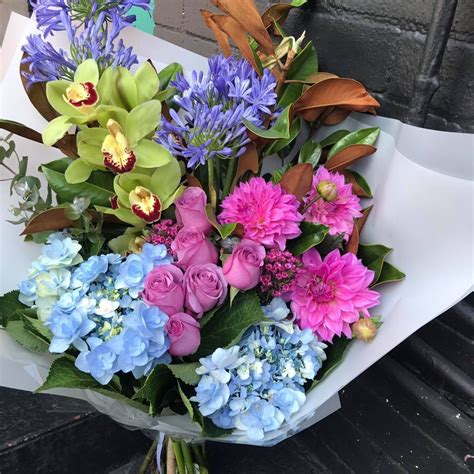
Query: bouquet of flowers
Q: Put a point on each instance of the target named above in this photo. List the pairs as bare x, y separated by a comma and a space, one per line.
200, 248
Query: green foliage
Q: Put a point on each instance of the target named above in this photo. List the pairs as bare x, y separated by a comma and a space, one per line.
311, 235
366, 136
310, 153
230, 322
373, 257
334, 138
9, 305
280, 129
185, 372
25, 337
360, 180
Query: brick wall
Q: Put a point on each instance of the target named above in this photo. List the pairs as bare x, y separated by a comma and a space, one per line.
379, 42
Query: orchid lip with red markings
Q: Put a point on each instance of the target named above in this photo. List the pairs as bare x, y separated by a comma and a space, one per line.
82, 94
118, 156
145, 204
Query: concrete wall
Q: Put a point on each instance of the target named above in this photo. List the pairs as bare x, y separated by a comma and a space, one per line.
379, 42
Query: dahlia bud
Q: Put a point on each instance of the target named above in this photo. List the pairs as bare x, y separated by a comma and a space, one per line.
327, 190
365, 329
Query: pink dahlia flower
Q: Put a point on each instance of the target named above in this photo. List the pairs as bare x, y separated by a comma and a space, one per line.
268, 214
337, 214
329, 295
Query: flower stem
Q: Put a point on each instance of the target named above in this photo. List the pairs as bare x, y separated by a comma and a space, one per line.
212, 188
199, 455
188, 459
170, 459
150, 455
309, 204
229, 177
179, 456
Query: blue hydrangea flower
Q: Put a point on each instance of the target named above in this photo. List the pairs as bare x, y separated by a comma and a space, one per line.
68, 328
89, 271
213, 107
277, 310
27, 291
259, 384
60, 251
99, 360
53, 282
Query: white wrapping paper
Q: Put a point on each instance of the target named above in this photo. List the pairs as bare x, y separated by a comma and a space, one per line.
423, 207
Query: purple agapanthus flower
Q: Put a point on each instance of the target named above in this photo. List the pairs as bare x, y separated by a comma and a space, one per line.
92, 28
212, 108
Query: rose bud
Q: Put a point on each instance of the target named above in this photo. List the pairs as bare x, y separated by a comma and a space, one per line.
191, 210
184, 333
204, 288
364, 329
327, 190
163, 288
192, 248
242, 269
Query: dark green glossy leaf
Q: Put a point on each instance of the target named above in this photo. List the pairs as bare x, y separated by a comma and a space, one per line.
278, 173
168, 73
99, 186
389, 274
360, 182
280, 129
185, 372
9, 305
304, 64
334, 138
279, 145
312, 235
310, 153
373, 257
291, 93
366, 136
229, 323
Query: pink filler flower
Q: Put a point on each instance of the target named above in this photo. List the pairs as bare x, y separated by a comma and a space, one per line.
268, 214
330, 294
337, 214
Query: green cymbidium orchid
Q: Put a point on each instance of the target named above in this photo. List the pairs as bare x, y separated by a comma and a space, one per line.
142, 196
121, 144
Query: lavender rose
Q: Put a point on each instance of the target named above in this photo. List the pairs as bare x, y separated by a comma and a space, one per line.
205, 287
184, 333
191, 210
163, 288
242, 269
192, 248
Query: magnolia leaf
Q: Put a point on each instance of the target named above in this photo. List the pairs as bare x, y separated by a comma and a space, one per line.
168, 73
304, 65
224, 230
147, 82
78, 171
221, 36
345, 93
388, 274
359, 184
56, 129
349, 155
311, 235
282, 143
298, 180
245, 13
280, 129
142, 121
87, 71
334, 138
279, 12
36, 92
52, 219
366, 136
21, 130
352, 245
186, 372
68, 145
151, 154
310, 153
229, 323
336, 116
247, 162
373, 257
278, 173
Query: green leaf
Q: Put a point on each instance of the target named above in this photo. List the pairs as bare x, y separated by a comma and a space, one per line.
186, 402
121, 244
56, 129
335, 355
311, 235
281, 128
78, 171
87, 71
279, 145
147, 82
373, 257
26, 338
210, 430
290, 95
99, 186
186, 372
9, 304
310, 153
360, 180
389, 274
224, 230
208, 316
230, 323
366, 136
278, 173
142, 121
34, 325
227, 229
168, 73
150, 154
304, 64
334, 138
160, 381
